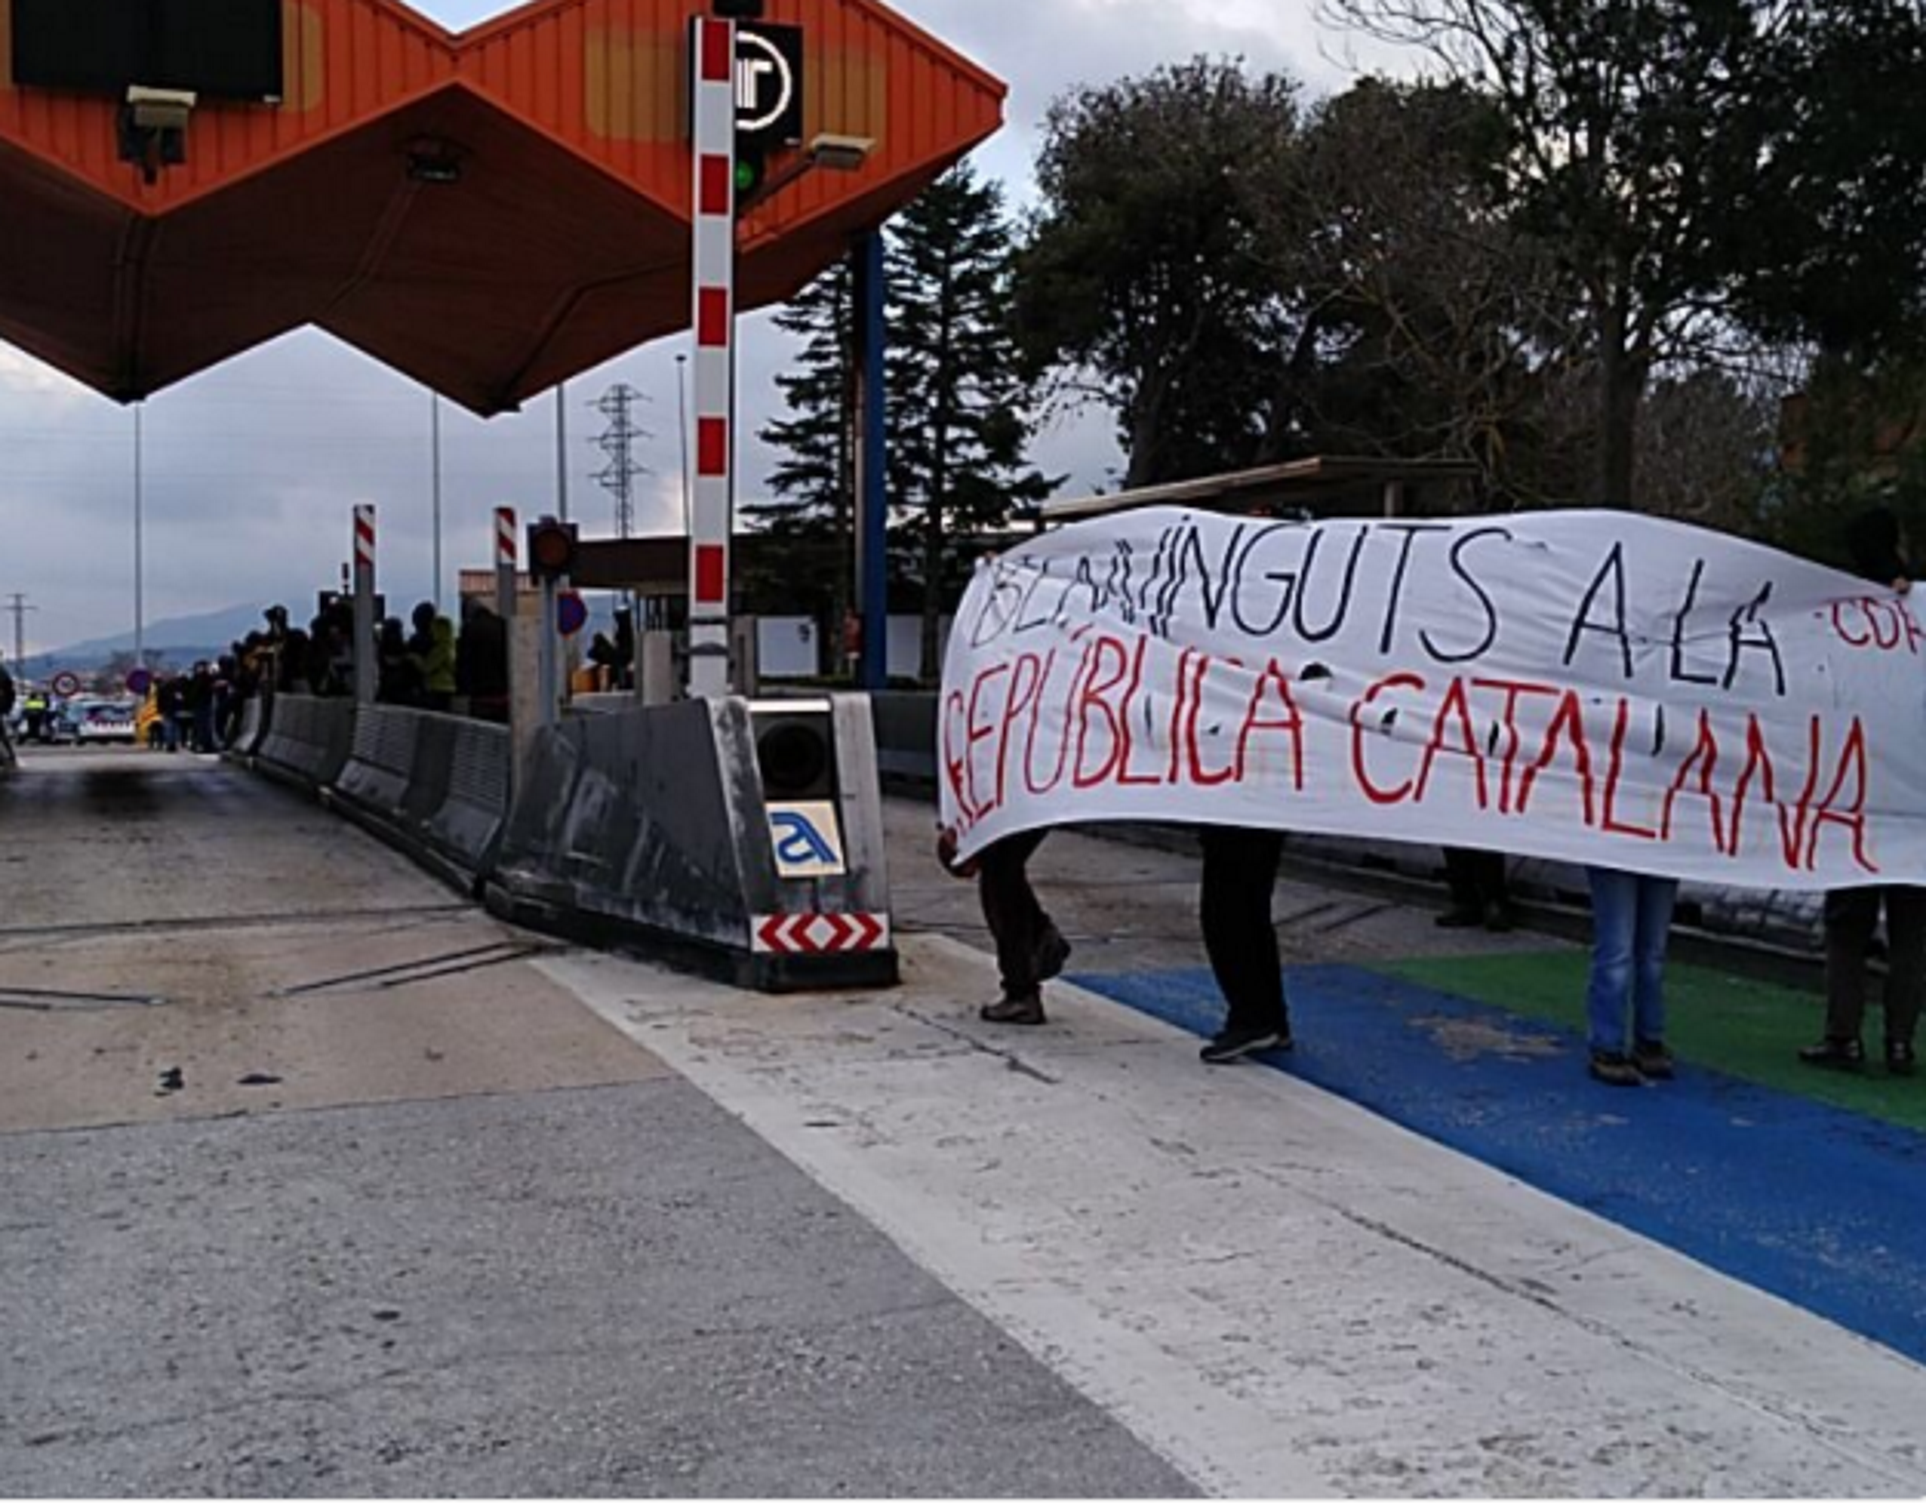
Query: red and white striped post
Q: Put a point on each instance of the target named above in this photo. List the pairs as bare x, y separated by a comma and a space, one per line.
712, 509
508, 551
365, 677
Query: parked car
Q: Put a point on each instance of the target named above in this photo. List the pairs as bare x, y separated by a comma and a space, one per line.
102, 721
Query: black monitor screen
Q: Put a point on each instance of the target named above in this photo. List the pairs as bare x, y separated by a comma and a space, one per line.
96, 45
228, 49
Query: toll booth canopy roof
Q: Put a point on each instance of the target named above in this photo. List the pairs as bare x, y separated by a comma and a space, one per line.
490, 212
1320, 485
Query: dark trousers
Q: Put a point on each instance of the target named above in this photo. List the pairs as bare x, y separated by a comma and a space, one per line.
1851, 918
1016, 919
1477, 879
1240, 872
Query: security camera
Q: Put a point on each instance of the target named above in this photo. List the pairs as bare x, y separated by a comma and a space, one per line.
160, 109
840, 154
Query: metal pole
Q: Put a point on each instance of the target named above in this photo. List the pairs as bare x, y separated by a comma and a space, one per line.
561, 451
872, 495
434, 424
366, 681
682, 413
140, 563
713, 314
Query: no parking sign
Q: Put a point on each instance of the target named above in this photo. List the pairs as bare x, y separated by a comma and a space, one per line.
140, 682
571, 614
66, 685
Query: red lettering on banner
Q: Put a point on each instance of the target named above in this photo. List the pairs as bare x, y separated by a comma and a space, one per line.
1704, 758
1795, 821
1615, 774
1179, 711
1024, 696
1378, 795
1096, 691
1205, 779
953, 770
1569, 721
1124, 775
1839, 626
1758, 762
1852, 766
1454, 712
975, 733
1063, 739
1256, 722
1515, 692
1889, 624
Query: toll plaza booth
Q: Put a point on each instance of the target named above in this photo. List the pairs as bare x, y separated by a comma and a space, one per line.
493, 212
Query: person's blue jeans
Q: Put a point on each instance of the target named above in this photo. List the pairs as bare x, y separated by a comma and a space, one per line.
1632, 918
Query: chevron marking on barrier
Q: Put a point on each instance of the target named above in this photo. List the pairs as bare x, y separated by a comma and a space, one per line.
818, 934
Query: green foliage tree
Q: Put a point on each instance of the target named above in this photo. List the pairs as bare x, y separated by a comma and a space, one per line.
1652, 141
1149, 280
961, 417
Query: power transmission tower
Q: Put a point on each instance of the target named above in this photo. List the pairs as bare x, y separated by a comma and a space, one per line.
618, 443
18, 605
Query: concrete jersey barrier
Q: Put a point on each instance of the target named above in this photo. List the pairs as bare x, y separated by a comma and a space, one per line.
655, 823
308, 740
432, 785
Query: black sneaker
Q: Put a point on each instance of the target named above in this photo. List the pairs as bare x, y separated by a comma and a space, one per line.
1901, 1061
1653, 1060
1460, 919
1848, 1053
1015, 1010
1616, 1069
1053, 952
1228, 1046
1499, 917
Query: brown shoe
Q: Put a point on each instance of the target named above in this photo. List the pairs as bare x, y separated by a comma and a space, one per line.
1017, 1010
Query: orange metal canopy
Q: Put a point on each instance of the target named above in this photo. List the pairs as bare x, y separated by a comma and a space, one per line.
564, 243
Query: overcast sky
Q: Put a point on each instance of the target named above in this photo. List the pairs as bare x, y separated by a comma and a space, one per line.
251, 468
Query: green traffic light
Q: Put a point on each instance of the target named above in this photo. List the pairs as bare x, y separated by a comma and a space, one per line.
748, 175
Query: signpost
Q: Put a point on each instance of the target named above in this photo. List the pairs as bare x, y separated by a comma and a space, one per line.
365, 678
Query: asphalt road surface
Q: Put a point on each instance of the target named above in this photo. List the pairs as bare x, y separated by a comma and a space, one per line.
315, 1185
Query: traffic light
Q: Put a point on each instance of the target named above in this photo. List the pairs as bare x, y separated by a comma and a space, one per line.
551, 549
752, 169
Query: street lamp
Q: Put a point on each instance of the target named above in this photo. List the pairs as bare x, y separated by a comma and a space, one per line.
831, 153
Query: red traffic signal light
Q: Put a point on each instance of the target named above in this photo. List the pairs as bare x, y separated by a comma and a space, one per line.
551, 548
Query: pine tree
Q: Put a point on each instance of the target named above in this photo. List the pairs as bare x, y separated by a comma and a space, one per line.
961, 417
814, 483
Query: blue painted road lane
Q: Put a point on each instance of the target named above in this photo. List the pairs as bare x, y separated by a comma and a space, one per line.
1821, 1207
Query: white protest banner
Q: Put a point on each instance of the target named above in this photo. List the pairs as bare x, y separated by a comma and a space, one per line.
1596, 687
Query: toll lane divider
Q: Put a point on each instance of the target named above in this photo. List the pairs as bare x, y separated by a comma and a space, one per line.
744, 839
660, 826
401, 784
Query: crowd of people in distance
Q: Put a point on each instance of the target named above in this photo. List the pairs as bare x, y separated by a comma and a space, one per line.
426, 663
1632, 927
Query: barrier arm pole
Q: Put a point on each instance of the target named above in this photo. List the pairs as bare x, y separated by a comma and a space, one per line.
712, 511
365, 677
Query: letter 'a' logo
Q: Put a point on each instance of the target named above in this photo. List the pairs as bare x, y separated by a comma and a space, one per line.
808, 840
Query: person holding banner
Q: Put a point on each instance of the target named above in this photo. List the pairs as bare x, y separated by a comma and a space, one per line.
1030, 951
1240, 874
1877, 547
1632, 923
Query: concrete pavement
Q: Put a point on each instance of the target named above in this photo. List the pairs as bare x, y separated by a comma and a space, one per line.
415, 1222
440, 1208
